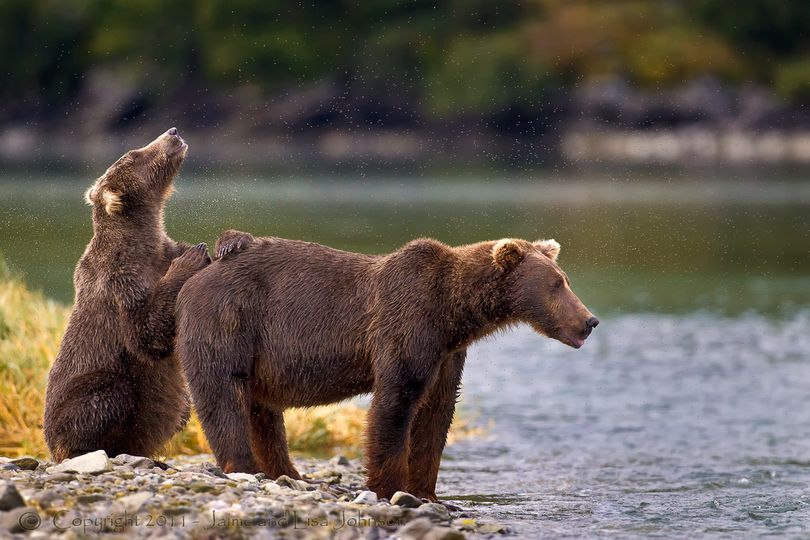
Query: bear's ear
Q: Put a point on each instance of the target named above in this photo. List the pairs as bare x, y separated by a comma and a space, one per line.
90, 195
506, 254
550, 248
111, 200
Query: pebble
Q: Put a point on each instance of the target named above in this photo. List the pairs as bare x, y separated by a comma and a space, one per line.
434, 509
26, 463
242, 477
444, 533
402, 498
60, 477
200, 487
366, 497
492, 528
90, 498
415, 530
19, 520
133, 503
299, 485
465, 524
92, 463
10, 498
133, 462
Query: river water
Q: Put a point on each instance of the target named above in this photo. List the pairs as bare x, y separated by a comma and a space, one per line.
668, 425
687, 413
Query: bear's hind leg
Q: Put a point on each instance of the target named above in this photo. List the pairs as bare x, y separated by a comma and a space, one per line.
221, 394
269, 442
430, 427
92, 412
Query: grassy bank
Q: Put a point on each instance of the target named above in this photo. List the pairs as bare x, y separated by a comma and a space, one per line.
31, 327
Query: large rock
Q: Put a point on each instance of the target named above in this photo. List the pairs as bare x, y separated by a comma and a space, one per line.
92, 463
10, 498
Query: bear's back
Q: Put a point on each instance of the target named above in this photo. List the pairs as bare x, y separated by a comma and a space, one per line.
288, 280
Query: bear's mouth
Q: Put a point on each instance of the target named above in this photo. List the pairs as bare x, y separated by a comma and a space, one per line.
572, 341
180, 146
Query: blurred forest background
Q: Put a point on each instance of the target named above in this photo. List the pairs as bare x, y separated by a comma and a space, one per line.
392, 82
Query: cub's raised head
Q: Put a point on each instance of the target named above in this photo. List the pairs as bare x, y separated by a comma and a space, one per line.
541, 295
141, 179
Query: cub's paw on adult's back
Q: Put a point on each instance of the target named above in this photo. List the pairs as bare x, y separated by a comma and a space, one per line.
193, 260
231, 241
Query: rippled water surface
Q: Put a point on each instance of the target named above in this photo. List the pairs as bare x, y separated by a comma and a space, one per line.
660, 425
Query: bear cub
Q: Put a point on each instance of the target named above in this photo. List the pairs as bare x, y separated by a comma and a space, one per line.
115, 384
281, 323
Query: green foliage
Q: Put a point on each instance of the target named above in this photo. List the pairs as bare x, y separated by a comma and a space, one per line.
445, 58
793, 80
40, 46
486, 74
676, 55
762, 27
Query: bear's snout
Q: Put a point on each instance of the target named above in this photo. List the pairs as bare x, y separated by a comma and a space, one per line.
590, 324
174, 143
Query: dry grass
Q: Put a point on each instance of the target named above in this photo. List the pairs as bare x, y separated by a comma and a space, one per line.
31, 327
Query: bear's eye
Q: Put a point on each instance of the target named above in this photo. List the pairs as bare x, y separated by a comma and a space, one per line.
557, 284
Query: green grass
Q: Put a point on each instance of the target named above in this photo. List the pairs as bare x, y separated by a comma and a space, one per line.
31, 328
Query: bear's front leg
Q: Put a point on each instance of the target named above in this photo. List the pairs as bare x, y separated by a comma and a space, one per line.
148, 315
174, 249
429, 428
393, 407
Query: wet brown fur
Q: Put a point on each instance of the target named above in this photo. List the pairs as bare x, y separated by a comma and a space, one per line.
115, 383
284, 323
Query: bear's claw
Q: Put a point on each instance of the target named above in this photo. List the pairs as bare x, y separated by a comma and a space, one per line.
232, 241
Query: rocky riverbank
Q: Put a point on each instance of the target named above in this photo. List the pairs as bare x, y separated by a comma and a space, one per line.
130, 496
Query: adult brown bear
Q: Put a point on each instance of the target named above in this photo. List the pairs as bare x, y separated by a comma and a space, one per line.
285, 323
115, 384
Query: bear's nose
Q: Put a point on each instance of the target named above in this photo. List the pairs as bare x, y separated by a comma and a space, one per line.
172, 131
590, 324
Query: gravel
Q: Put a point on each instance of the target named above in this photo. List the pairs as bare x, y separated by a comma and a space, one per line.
189, 497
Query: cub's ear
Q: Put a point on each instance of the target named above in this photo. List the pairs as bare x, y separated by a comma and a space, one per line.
549, 248
90, 194
111, 200
507, 254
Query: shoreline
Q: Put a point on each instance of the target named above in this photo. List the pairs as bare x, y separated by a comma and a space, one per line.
189, 497
377, 151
